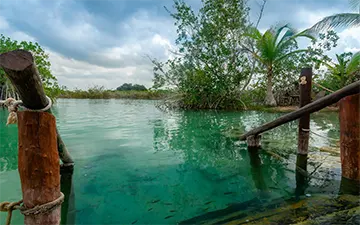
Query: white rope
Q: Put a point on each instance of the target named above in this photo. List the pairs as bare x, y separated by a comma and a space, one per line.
329, 138
14, 105
46, 108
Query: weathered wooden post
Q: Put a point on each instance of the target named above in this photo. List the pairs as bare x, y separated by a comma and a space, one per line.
21, 70
253, 142
38, 161
304, 129
39, 168
350, 143
304, 121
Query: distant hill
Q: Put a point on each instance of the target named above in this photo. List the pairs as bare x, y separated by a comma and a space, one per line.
131, 87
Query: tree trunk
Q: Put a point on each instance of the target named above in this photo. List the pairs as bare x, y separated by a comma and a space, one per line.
270, 100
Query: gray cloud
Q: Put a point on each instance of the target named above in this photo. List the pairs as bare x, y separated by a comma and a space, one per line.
105, 42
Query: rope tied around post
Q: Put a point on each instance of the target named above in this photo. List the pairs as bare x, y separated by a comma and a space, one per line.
13, 106
9, 207
44, 208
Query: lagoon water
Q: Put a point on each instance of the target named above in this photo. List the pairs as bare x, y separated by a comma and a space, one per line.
138, 165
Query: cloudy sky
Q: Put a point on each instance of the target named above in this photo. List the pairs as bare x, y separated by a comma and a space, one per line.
105, 42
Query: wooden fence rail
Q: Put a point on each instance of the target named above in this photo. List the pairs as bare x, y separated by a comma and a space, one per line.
350, 89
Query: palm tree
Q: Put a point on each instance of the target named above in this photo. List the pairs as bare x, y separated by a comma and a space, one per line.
340, 20
271, 48
345, 71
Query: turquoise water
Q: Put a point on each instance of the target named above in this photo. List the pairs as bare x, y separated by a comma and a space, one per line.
138, 165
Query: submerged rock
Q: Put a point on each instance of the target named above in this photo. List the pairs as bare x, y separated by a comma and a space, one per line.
318, 209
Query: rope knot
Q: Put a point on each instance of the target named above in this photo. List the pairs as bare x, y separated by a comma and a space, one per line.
9, 207
13, 107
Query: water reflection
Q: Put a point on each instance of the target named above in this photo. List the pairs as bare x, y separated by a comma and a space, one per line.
8, 144
199, 137
135, 164
256, 171
68, 210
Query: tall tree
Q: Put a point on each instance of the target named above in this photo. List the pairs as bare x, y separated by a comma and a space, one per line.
273, 47
207, 69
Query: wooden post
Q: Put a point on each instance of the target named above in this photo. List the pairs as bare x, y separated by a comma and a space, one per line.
300, 176
253, 142
304, 129
350, 137
304, 122
68, 209
349, 187
39, 165
21, 70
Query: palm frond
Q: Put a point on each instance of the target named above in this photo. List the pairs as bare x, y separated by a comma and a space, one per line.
337, 21
291, 36
289, 54
306, 34
354, 64
253, 32
290, 32
266, 46
279, 29
355, 5
332, 68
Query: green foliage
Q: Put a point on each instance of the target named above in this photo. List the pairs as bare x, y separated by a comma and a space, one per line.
286, 73
99, 92
131, 87
342, 73
272, 49
41, 59
208, 69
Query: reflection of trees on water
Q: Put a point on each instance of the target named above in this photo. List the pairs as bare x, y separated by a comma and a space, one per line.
8, 144
199, 138
327, 121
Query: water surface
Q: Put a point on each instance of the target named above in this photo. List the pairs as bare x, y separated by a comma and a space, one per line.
138, 165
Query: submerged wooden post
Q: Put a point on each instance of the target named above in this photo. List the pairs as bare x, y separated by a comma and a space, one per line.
256, 171
300, 176
253, 141
68, 210
21, 70
39, 166
350, 138
304, 121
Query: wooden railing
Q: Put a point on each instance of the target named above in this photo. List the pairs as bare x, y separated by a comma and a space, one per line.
317, 105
